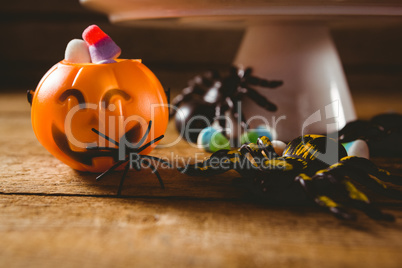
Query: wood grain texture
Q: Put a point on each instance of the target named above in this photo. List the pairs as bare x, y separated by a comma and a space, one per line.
43, 231
52, 216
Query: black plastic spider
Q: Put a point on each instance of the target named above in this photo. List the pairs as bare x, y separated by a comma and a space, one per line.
304, 170
133, 158
211, 96
383, 134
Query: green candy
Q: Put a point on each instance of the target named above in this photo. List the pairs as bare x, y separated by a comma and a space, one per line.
248, 137
218, 141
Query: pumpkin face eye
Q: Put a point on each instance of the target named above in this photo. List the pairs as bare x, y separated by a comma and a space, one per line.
109, 94
75, 93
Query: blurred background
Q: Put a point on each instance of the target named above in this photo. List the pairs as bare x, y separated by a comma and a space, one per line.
35, 34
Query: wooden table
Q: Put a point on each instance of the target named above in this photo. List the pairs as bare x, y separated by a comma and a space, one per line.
51, 215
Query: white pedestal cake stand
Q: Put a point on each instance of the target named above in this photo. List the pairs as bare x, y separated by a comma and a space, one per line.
286, 41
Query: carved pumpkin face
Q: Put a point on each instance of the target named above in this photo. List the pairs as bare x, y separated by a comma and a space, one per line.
117, 99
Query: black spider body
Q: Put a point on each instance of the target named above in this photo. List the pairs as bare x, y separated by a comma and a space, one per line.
312, 167
210, 96
133, 157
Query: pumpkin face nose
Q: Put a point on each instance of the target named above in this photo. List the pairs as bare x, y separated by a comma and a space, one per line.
79, 132
93, 121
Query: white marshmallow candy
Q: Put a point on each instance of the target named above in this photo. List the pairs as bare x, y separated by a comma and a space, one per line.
77, 52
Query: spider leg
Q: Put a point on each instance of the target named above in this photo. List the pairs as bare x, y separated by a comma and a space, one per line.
183, 96
260, 99
117, 143
266, 146
371, 168
236, 111
220, 111
254, 150
269, 174
118, 163
30, 94
147, 158
218, 163
155, 171
339, 178
265, 159
104, 136
247, 72
368, 174
321, 199
148, 144
274, 180
123, 179
167, 93
360, 201
255, 81
145, 134
360, 129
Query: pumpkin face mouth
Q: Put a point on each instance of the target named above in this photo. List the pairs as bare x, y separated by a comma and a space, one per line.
86, 157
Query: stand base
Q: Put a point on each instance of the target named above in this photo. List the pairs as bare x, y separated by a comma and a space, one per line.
315, 97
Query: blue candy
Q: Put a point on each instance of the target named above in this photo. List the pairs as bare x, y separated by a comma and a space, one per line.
205, 137
262, 130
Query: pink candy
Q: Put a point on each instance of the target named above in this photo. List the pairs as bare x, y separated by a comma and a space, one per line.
101, 47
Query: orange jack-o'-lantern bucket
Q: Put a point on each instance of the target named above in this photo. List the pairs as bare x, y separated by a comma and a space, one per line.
81, 111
